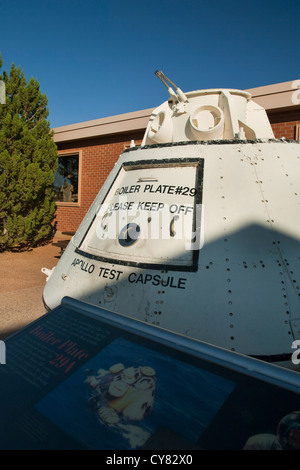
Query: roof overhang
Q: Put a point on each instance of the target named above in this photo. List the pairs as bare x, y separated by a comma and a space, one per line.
278, 97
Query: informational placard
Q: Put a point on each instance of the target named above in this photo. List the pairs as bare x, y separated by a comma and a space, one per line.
73, 380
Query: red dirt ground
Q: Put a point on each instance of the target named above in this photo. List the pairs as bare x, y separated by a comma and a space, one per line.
22, 284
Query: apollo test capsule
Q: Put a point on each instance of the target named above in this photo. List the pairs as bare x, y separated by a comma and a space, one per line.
197, 230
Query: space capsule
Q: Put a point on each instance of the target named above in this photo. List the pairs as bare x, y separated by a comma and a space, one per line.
197, 229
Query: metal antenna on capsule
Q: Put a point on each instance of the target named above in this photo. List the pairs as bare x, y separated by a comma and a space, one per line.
180, 95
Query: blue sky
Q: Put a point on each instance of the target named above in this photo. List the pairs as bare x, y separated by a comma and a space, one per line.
97, 58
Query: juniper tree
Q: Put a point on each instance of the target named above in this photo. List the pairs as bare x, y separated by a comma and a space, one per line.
28, 160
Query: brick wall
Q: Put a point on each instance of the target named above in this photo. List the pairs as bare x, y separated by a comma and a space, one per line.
98, 157
284, 123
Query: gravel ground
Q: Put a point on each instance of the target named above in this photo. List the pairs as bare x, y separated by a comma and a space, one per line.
22, 284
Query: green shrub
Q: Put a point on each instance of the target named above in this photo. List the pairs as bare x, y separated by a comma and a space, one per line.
28, 161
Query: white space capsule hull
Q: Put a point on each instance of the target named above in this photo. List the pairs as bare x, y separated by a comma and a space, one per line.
197, 237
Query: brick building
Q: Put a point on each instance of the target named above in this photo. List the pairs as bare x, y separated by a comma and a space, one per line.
88, 151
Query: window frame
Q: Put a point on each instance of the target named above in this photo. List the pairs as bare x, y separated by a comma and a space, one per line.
199, 175
66, 153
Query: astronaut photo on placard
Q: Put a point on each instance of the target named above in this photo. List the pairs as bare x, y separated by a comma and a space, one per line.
287, 436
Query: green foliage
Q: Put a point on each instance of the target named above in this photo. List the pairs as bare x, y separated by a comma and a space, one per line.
28, 161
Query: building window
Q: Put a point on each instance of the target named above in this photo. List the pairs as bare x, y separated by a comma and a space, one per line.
66, 178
